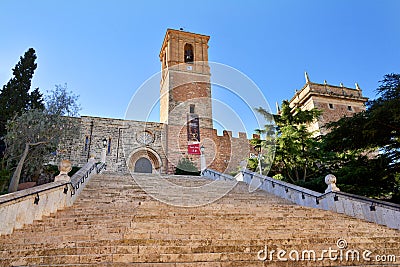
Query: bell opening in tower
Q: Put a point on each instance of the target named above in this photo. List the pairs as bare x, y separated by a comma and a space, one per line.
188, 56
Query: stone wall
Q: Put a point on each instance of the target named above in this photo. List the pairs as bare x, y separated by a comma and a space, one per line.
333, 109
223, 153
335, 102
122, 141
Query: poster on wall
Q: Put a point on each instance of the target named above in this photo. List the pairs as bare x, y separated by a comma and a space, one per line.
193, 128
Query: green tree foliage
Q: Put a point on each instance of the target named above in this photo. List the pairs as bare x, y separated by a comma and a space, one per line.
32, 136
14, 96
264, 141
62, 102
258, 144
370, 139
186, 167
377, 127
297, 151
4, 177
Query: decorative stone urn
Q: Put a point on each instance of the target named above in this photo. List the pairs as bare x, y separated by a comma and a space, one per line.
330, 180
64, 167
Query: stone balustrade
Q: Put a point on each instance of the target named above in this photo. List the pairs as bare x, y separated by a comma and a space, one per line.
25, 206
368, 209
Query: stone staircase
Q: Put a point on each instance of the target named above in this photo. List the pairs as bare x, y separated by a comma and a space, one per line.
115, 223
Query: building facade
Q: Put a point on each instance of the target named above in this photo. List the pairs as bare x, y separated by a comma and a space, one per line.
186, 121
185, 125
335, 102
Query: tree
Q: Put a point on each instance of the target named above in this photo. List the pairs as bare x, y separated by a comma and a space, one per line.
297, 153
372, 137
32, 136
15, 97
264, 142
62, 102
377, 127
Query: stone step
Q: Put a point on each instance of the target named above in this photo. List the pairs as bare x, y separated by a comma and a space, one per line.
115, 223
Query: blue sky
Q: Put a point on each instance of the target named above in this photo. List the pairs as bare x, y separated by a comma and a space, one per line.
105, 50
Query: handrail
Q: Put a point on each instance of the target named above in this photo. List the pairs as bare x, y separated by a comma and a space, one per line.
215, 173
375, 202
37, 189
13, 206
34, 192
318, 196
76, 184
367, 200
352, 205
284, 184
102, 166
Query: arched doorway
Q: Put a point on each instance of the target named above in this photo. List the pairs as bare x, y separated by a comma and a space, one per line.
144, 160
143, 165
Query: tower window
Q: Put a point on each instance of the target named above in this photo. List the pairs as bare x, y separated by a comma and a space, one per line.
330, 106
109, 146
189, 57
191, 109
349, 108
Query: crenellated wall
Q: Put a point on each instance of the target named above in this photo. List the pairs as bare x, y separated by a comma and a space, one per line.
222, 152
124, 145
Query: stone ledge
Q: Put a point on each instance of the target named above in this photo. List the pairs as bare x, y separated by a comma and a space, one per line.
20, 195
360, 207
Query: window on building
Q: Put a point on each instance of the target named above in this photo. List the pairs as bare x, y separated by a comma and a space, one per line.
330, 106
189, 57
191, 109
86, 143
109, 146
349, 108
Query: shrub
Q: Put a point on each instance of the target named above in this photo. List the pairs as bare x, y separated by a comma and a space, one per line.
186, 167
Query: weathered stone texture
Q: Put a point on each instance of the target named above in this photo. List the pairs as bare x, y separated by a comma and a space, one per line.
335, 102
122, 142
122, 225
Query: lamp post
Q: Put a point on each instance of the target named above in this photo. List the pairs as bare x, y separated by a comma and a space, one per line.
104, 151
202, 159
257, 148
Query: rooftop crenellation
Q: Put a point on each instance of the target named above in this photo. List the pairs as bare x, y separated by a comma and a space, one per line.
328, 90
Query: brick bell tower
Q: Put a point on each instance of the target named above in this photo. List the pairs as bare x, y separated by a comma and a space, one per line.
185, 94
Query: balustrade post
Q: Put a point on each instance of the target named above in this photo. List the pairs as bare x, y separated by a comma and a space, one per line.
330, 180
64, 167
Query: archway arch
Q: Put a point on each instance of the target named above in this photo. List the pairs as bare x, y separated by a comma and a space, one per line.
141, 157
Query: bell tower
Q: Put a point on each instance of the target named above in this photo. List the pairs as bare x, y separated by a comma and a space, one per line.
185, 89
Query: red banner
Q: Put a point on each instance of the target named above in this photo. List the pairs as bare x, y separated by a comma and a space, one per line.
194, 149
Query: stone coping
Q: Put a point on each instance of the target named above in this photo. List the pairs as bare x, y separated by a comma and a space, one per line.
373, 210
375, 202
19, 195
284, 184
